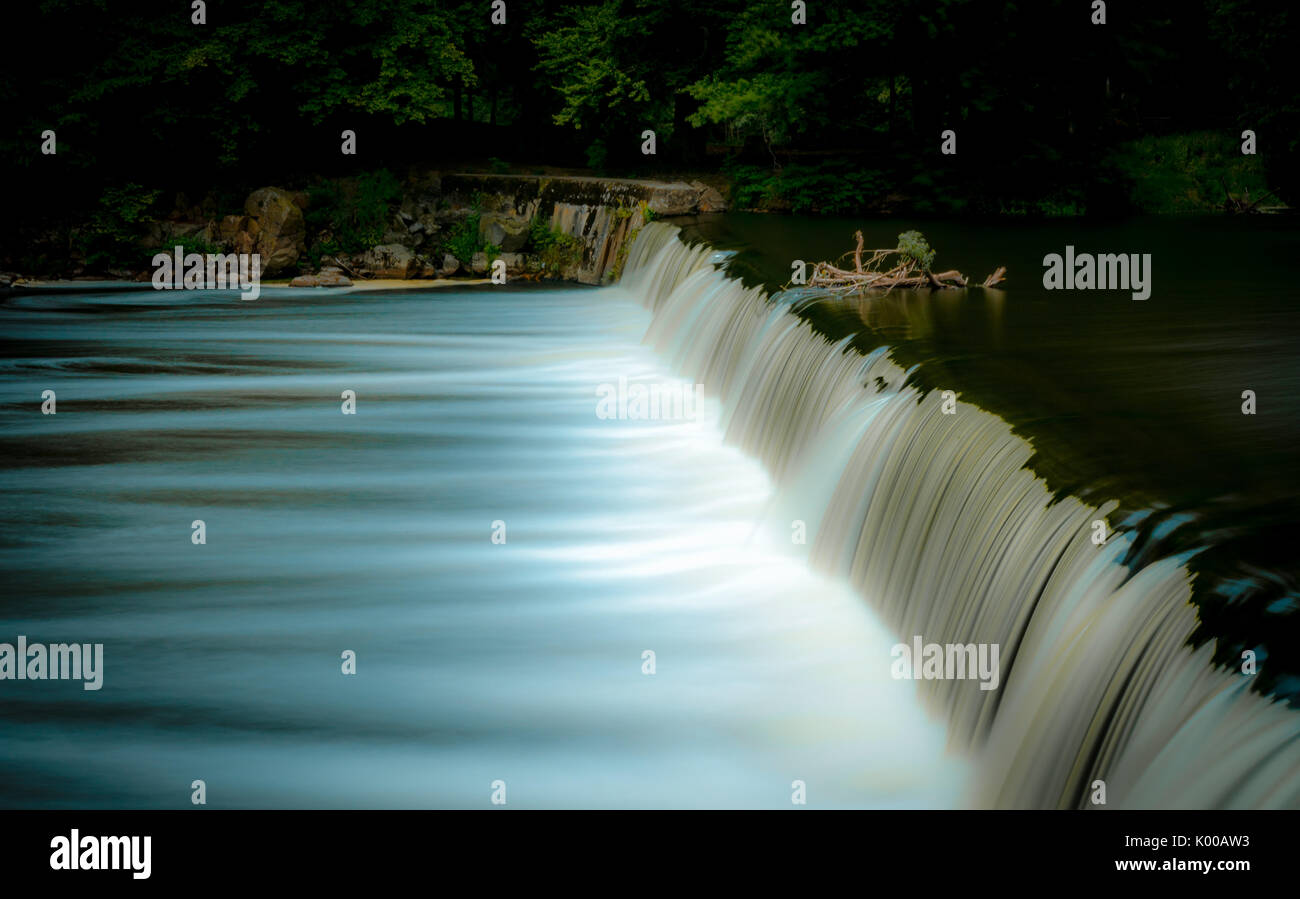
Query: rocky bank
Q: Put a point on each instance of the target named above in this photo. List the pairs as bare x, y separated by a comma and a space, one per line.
443, 225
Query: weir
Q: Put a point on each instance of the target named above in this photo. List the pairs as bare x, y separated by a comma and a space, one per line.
937, 522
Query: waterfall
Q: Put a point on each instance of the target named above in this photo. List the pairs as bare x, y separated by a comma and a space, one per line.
937, 522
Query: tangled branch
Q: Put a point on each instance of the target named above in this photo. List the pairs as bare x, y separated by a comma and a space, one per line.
905, 266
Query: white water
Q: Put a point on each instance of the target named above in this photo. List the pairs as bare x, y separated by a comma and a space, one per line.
476, 662
936, 522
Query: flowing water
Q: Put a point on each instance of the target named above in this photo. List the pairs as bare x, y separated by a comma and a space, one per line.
770, 551
937, 520
476, 661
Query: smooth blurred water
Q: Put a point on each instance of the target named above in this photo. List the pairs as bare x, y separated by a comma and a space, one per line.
1140, 402
325, 532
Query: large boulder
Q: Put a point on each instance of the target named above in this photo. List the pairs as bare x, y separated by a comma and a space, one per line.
281, 231
230, 226
390, 261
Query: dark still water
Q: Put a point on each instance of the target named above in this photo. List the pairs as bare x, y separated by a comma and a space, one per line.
1139, 401
520, 661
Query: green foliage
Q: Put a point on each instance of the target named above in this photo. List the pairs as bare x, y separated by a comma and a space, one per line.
540, 234
778, 82
145, 98
498, 166
1184, 173
109, 240
1255, 45
913, 245
594, 55
556, 249
352, 214
597, 155
464, 241
1060, 204
827, 187
397, 58
321, 249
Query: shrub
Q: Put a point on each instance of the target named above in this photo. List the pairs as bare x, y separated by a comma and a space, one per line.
463, 242
109, 238
826, 187
354, 212
556, 249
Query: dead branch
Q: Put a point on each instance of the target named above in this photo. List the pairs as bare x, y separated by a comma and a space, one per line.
888, 269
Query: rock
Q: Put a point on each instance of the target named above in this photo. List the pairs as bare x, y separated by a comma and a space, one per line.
397, 231
326, 278
429, 223
230, 226
389, 261
244, 242
450, 265
710, 200
181, 231
422, 268
673, 199
281, 231
168, 234
479, 264
505, 231
515, 263
450, 218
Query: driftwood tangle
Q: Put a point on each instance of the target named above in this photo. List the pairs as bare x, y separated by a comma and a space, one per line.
904, 272
1238, 204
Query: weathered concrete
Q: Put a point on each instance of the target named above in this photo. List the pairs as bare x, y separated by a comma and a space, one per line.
603, 213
